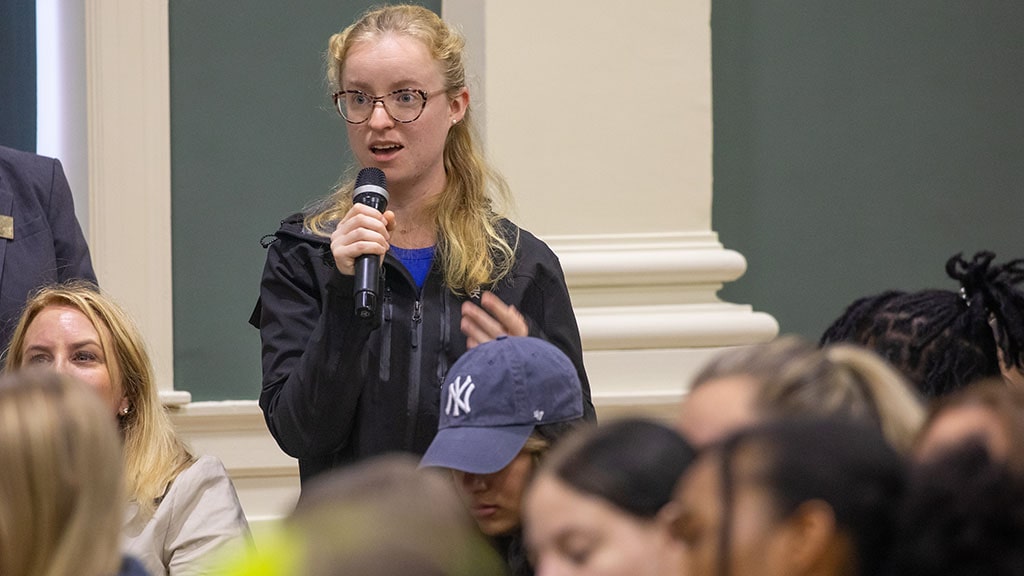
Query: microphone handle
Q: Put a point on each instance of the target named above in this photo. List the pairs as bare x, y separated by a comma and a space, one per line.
366, 276
367, 266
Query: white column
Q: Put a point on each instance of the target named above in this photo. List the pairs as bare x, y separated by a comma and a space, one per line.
129, 135
600, 117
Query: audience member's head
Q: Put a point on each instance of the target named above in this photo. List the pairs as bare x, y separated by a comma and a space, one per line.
793, 496
791, 377
989, 412
943, 340
504, 404
76, 330
593, 508
385, 516
963, 514
61, 498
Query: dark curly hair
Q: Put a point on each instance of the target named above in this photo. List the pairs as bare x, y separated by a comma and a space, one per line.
943, 340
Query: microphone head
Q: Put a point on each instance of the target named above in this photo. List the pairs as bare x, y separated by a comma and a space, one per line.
371, 189
372, 176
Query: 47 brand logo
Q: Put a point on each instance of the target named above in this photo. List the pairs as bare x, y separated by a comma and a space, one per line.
458, 396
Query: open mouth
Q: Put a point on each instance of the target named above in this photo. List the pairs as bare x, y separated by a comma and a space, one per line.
385, 149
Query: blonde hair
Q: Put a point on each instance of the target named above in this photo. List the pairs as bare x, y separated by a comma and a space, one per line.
153, 453
796, 378
472, 249
61, 498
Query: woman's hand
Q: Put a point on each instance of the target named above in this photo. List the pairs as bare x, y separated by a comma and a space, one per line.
491, 319
363, 230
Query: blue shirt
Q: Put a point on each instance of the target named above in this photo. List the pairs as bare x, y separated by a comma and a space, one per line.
416, 260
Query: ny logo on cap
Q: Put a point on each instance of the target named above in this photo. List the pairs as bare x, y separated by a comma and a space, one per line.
458, 396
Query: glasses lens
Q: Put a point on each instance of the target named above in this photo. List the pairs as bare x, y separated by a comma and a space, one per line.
405, 105
354, 106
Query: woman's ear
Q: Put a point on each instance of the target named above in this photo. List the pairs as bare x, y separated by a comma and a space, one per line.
458, 105
812, 539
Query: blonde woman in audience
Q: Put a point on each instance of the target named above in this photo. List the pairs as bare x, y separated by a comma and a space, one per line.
181, 507
61, 499
790, 376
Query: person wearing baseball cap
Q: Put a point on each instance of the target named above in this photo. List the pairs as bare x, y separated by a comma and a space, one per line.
504, 404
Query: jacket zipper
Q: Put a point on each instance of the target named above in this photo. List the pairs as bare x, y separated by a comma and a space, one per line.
413, 405
385, 336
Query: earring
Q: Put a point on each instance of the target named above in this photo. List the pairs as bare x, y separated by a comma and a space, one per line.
124, 411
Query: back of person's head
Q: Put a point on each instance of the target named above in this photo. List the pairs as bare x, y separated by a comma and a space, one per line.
791, 377
963, 514
833, 481
597, 504
989, 412
386, 516
153, 453
943, 340
632, 463
61, 497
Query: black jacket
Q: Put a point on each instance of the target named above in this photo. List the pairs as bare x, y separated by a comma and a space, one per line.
337, 388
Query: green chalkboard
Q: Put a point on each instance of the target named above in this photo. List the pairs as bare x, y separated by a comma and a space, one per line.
858, 145
253, 138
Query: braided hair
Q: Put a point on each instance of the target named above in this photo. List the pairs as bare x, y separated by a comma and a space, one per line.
943, 340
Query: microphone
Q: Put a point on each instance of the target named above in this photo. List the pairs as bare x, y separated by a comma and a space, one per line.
371, 189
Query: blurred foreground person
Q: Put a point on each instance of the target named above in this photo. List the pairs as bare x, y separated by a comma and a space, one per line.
964, 509
791, 377
379, 517
989, 412
61, 493
794, 497
594, 507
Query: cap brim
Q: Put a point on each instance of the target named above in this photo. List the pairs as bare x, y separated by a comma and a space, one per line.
476, 450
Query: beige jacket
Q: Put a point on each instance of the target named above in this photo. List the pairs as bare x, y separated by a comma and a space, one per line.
198, 515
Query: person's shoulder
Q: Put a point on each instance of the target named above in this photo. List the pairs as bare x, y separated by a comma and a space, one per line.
12, 160
206, 466
527, 244
294, 227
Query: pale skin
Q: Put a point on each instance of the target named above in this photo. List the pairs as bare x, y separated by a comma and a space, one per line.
412, 158
63, 339
573, 533
716, 408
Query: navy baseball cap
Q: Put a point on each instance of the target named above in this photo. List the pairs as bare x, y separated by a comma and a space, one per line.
494, 396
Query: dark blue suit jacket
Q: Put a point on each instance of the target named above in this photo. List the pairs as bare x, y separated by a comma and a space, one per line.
48, 245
